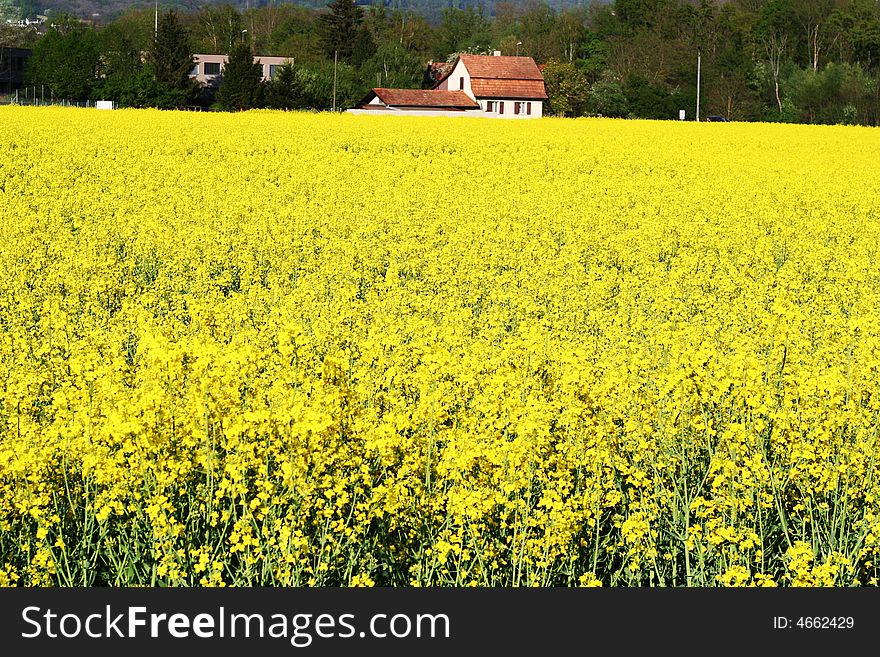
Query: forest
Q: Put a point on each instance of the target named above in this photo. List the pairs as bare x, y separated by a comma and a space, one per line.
806, 61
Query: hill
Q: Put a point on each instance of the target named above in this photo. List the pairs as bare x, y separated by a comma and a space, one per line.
106, 10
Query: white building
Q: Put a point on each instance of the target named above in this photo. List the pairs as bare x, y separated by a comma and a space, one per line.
498, 86
503, 86
208, 68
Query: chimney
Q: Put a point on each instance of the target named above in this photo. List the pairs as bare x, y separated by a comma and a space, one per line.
497, 53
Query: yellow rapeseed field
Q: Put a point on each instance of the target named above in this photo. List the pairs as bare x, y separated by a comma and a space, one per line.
301, 349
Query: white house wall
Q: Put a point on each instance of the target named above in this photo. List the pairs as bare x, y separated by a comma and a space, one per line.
537, 108
451, 83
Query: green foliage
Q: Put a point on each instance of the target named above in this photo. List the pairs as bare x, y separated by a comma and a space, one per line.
606, 98
838, 93
567, 88
317, 85
137, 89
653, 101
593, 56
286, 90
462, 30
65, 61
217, 29
241, 83
393, 66
296, 36
8, 11
171, 58
344, 34
777, 60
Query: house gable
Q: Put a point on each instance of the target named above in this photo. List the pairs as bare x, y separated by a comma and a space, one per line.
496, 77
458, 79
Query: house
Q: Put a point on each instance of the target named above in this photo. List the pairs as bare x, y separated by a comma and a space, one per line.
208, 68
502, 85
418, 100
495, 85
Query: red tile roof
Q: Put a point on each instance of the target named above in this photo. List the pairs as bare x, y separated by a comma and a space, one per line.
529, 89
424, 98
498, 76
501, 67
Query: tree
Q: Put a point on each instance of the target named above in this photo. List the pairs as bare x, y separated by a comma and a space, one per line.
120, 54
462, 30
393, 66
218, 28
171, 59
813, 17
775, 27
137, 89
65, 61
651, 101
567, 88
317, 82
124, 78
285, 90
241, 84
541, 35
296, 36
606, 98
343, 32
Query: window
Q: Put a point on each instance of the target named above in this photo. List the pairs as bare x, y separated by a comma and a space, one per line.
517, 107
195, 70
501, 107
212, 68
273, 69
528, 109
490, 105
461, 84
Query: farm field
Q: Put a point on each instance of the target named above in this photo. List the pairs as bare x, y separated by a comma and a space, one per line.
330, 350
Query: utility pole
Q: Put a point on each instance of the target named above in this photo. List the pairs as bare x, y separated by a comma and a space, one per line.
698, 86
334, 79
156, 22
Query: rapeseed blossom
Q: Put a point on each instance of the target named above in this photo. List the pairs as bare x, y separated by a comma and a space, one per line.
293, 349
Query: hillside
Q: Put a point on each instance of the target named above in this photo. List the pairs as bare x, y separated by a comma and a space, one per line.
105, 10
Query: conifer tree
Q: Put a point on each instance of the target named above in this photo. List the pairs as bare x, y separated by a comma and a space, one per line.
241, 84
343, 32
171, 58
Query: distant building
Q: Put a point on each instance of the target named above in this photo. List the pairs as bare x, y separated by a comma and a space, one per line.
12, 64
209, 68
26, 22
495, 85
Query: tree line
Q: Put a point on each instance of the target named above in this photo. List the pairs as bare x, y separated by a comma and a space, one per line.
814, 61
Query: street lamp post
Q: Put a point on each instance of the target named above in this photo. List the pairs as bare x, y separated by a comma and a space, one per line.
335, 54
698, 86
518, 44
